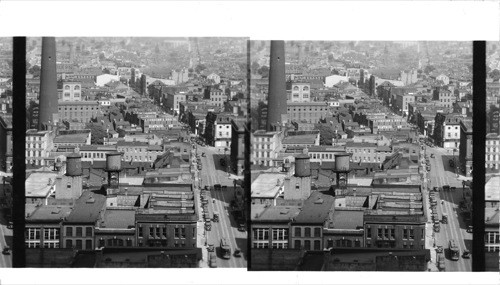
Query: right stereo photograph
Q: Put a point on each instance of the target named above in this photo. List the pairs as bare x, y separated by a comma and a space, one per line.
361, 156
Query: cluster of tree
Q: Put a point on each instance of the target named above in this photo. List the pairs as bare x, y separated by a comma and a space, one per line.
199, 68
495, 74
97, 132
263, 71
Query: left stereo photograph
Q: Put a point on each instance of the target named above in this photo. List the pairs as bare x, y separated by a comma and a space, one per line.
6, 159
135, 152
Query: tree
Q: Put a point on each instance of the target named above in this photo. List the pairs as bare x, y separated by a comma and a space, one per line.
98, 133
200, 67
330, 57
264, 71
327, 134
35, 70
255, 67
428, 69
495, 74
106, 71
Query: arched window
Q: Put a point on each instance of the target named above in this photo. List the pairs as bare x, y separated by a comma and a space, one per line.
305, 88
296, 88
66, 87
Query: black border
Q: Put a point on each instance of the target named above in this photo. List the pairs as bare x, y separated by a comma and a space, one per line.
478, 151
19, 141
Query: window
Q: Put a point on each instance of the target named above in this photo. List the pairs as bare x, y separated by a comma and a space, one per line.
368, 232
317, 245
261, 234
379, 233
307, 245
405, 234
297, 244
140, 231
392, 234
357, 243
79, 231
88, 231
298, 231
88, 244
79, 244
412, 234
69, 243
69, 231
317, 232
280, 234
307, 232
183, 232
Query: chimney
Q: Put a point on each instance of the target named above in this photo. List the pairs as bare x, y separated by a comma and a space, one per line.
48, 84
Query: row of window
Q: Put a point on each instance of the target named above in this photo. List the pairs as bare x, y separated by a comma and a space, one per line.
389, 233
161, 232
81, 109
310, 109
78, 231
307, 232
48, 234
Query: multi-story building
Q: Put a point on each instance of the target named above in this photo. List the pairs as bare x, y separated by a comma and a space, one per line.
492, 151
70, 91
299, 92
446, 98
173, 100
465, 149
222, 130
402, 101
381, 123
81, 111
367, 152
38, 146
307, 227
447, 130
310, 112
265, 147
79, 226
217, 97
271, 226
6, 143
95, 153
43, 225
323, 153
238, 131
139, 151
491, 229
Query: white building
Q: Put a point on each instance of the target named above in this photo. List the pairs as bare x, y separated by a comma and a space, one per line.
300, 92
104, 79
71, 91
214, 77
445, 79
331, 80
492, 158
266, 147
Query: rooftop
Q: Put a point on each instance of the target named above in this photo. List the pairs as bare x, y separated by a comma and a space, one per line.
491, 189
261, 213
40, 184
87, 208
316, 208
48, 213
119, 218
347, 219
267, 185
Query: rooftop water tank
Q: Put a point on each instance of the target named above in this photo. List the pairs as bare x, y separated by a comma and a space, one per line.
74, 165
114, 161
302, 165
342, 162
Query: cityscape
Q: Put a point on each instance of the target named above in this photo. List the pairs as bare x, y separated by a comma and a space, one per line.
360, 154
134, 152
362, 157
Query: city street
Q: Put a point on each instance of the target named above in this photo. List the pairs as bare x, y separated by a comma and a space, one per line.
219, 200
442, 174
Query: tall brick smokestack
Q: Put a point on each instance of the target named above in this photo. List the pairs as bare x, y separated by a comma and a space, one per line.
276, 104
48, 84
